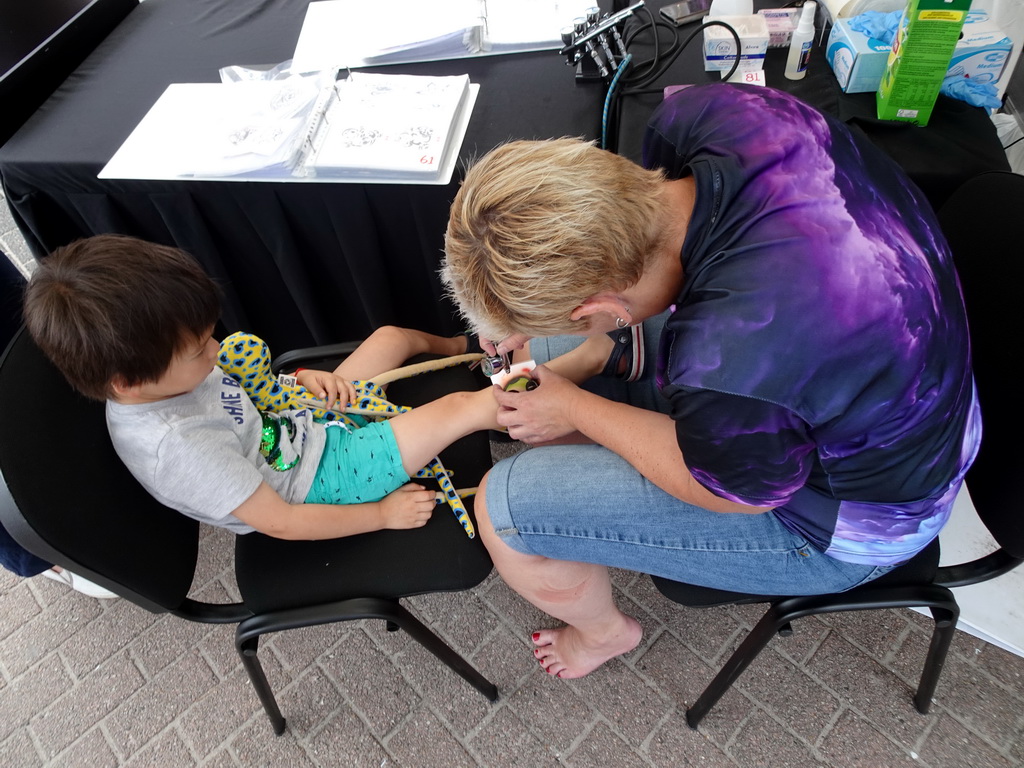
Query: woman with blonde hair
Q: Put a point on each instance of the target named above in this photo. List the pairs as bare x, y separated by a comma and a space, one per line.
807, 412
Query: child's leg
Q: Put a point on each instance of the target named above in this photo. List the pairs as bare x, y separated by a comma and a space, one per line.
582, 362
426, 430
389, 347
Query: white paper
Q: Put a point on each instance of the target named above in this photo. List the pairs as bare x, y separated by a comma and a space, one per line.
353, 33
217, 129
389, 126
246, 132
348, 33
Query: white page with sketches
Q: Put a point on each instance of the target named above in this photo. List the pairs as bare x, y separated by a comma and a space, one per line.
218, 130
390, 126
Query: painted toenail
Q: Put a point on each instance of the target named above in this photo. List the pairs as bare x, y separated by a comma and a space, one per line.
536, 636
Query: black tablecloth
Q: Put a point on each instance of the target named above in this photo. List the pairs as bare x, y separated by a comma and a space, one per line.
300, 262
303, 262
959, 142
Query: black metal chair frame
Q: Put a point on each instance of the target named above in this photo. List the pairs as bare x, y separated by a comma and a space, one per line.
921, 583
180, 535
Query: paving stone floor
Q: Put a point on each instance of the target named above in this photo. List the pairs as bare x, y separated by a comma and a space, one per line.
85, 682
104, 683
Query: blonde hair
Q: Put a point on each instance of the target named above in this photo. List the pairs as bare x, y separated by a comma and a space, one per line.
539, 226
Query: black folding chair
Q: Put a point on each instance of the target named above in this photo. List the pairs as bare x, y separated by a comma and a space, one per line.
980, 221
66, 497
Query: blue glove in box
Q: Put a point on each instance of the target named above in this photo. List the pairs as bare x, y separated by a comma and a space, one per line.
857, 60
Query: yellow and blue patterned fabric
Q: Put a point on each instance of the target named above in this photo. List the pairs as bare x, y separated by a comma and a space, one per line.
246, 359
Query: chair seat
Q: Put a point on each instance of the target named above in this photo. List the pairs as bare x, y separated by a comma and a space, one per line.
920, 569
275, 574
386, 564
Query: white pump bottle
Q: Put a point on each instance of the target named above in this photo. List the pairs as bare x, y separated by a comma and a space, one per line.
801, 42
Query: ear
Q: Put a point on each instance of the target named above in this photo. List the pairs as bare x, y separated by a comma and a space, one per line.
119, 387
602, 303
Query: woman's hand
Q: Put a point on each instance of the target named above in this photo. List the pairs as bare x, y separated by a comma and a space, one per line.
408, 507
506, 346
542, 414
324, 385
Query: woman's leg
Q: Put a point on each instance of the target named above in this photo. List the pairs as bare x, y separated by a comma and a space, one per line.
548, 512
580, 594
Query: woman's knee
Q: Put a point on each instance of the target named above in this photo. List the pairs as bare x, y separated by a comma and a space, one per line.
499, 550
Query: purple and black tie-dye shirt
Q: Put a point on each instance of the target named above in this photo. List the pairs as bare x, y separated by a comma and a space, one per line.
817, 359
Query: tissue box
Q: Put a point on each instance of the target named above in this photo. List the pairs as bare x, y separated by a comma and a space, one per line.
781, 25
920, 56
982, 52
720, 46
857, 60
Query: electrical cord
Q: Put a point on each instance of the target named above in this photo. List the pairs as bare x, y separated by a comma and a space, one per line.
648, 71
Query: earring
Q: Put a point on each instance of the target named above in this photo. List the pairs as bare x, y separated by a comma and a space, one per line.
620, 323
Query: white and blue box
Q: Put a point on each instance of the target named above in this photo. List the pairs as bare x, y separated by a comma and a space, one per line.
982, 51
720, 45
857, 60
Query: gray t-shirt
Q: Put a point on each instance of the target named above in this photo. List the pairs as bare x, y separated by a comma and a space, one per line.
199, 453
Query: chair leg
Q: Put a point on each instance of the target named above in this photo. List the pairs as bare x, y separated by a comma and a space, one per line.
388, 610
247, 649
942, 637
939, 600
441, 650
773, 621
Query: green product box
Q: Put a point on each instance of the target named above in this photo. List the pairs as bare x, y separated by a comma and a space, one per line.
920, 56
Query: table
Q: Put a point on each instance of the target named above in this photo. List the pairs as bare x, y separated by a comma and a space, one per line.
300, 263
311, 262
959, 142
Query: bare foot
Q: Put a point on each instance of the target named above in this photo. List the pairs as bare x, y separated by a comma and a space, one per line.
566, 653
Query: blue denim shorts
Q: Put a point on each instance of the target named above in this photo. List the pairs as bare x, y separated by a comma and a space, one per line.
357, 466
585, 503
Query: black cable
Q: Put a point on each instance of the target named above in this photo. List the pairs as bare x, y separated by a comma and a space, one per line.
612, 123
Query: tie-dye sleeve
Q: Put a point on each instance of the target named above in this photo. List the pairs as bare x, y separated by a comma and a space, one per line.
741, 448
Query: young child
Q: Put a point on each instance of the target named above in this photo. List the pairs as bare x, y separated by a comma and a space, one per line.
131, 323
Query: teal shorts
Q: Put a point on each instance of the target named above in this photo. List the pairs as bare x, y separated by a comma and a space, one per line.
357, 466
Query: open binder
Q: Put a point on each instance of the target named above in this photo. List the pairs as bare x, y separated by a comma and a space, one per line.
355, 33
388, 127
367, 128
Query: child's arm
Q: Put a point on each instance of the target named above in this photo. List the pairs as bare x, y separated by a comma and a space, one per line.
408, 507
327, 386
387, 348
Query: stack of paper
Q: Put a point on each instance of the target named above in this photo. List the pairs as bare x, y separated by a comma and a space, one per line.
355, 33
391, 127
367, 128
217, 129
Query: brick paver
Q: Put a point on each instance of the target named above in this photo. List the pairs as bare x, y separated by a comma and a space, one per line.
104, 683
86, 682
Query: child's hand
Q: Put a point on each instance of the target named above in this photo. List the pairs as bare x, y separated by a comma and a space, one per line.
409, 507
324, 385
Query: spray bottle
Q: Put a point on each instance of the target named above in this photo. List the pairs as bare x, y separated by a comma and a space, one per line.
801, 42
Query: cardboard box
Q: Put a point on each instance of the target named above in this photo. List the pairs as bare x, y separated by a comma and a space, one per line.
982, 52
857, 60
781, 25
720, 46
920, 56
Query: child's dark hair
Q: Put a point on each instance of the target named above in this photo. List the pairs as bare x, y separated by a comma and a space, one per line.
114, 306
